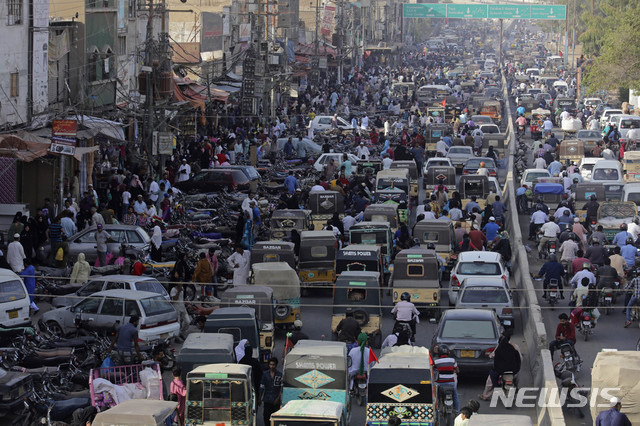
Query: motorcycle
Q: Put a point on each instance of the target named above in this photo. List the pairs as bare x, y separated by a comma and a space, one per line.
360, 388
447, 413
552, 293
569, 359
585, 324
606, 300
568, 381
549, 248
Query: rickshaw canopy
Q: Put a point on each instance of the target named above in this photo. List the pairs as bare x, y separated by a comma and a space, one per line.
257, 297
317, 248
309, 409
359, 290
274, 251
435, 173
407, 164
473, 185
358, 257
572, 150
416, 267
500, 420
326, 202
136, 412
585, 190
327, 357
435, 231
382, 213
282, 279
369, 166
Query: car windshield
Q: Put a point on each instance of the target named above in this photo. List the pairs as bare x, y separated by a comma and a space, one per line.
479, 268
484, 295
156, 306
459, 150
151, 286
605, 174
11, 290
633, 196
471, 329
490, 129
532, 176
587, 134
475, 162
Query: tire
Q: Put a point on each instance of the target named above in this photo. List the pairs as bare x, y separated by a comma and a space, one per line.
359, 397
282, 312
55, 328
190, 292
586, 336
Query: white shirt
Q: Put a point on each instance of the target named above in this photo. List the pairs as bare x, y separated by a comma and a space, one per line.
126, 197
317, 188
634, 230
607, 154
386, 163
538, 217
241, 273
15, 256
154, 189
550, 230
441, 147
184, 176
539, 163
362, 150
348, 222
405, 311
633, 135
564, 115
482, 171
365, 122
560, 212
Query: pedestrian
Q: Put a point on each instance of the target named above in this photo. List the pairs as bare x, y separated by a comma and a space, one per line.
29, 278
613, 416
240, 261
126, 340
203, 273
15, 254
212, 258
180, 390
270, 390
156, 244
177, 296
54, 234
102, 237
81, 270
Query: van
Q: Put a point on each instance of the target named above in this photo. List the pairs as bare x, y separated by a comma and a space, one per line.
606, 114
14, 300
323, 122
609, 173
631, 192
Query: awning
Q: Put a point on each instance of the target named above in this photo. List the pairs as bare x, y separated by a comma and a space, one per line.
23, 146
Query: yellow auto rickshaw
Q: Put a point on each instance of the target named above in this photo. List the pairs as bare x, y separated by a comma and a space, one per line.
417, 272
285, 284
316, 266
571, 150
440, 234
413, 174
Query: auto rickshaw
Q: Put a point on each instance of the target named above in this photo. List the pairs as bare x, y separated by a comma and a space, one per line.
139, 412
491, 109
440, 233
571, 150
323, 205
382, 213
238, 321
583, 192
274, 251
285, 284
322, 413
371, 167
551, 193
205, 348
474, 185
259, 298
361, 291
284, 220
536, 123
631, 166
393, 186
220, 394
360, 257
417, 272
434, 133
316, 260
413, 174
374, 233
437, 174
497, 141
402, 383
317, 370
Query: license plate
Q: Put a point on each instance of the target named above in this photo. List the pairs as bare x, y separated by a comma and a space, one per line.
607, 299
586, 323
553, 294
13, 314
507, 322
362, 385
467, 354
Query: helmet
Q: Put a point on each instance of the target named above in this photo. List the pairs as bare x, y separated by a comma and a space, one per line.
405, 296
572, 236
566, 212
623, 227
553, 135
553, 258
593, 198
629, 240
595, 240
443, 349
482, 164
586, 265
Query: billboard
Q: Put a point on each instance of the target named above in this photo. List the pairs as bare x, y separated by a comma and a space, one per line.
63, 136
328, 20
211, 33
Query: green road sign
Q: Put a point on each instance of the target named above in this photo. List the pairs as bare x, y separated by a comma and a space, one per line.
424, 10
469, 11
548, 12
508, 11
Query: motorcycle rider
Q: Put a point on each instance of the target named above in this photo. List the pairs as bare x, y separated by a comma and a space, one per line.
506, 357
565, 220
406, 312
584, 273
565, 332
569, 249
607, 275
551, 270
538, 218
628, 251
549, 231
348, 328
632, 296
578, 262
596, 253
599, 234
618, 263
591, 207
447, 373
580, 231
622, 236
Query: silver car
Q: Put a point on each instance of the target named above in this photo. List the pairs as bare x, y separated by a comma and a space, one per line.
101, 311
85, 241
112, 282
487, 293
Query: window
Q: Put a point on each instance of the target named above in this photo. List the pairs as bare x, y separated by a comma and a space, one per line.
117, 236
431, 237
131, 308
485, 295
132, 10
319, 251
108, 63
89, 306
152, 286
11, 290
134, 238
605, 174
235, 332
92, 287
94, 65
112, 307
415, 270
156, 306
89, 237
122, 45
15, 84
479, 268
116, 286
14, 13
356, 294
461, 329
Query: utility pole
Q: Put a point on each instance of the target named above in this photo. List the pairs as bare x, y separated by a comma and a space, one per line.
148, 62
339, 36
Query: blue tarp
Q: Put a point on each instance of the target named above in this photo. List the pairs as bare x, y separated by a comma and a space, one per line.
549, 188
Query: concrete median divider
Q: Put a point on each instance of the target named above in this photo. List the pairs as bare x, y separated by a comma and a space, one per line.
538, 355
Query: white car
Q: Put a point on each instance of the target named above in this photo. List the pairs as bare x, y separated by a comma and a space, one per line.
586, 166
490, 129
325, 158
606, 114
481, 119
458, 155
483, 264
323, 122
530, 175
437, 162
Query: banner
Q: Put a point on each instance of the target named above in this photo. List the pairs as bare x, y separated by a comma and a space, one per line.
328, 20
63, 136
211, 33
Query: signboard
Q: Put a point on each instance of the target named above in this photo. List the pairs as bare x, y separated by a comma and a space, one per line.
63, 136
328, 19
322, 62
481, 11
244, 33
469, 11
162, 143
211, 33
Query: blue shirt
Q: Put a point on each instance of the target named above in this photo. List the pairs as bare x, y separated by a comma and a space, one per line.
521, 191
347, 168
28, 276
271, 387
470, 205
491, 229
520, 110
291, 183
498, 208
629, 253
612, 417
68, 226
552, 271
621, 238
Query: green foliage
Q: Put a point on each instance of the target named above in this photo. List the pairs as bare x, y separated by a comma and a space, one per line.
615, 38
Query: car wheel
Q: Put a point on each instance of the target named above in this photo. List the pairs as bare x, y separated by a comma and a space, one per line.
55, 329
